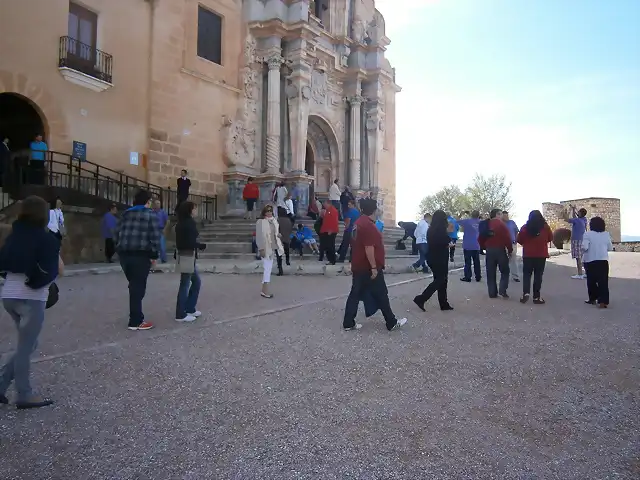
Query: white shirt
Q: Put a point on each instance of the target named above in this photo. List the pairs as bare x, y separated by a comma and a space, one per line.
289, 206
56, 220
421, 231
281, 194
334, 192
596, 246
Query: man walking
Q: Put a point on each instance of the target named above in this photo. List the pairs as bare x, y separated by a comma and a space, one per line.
421, 243
137, 239
513, 231
351, 214
367, 266
471, 246
109, 224
329, 231
578, 223
496, 241
163, 218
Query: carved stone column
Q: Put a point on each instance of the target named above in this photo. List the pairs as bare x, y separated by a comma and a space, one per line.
374, 146
354, 147
273, 114
298, 96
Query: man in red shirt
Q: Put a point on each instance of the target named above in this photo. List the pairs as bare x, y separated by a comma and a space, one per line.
367, 265
250, 195
497, 243
328, 231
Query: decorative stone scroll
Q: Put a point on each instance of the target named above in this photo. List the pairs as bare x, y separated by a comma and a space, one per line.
319, 87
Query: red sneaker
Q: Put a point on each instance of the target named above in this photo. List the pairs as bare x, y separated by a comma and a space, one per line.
142, 326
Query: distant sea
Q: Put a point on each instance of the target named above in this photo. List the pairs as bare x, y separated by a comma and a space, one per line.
630, 238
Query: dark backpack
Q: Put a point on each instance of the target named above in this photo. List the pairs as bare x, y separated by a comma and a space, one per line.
484, 230
400, 245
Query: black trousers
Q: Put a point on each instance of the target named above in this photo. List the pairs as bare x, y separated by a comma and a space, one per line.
136, 268
452, 250
598, 281
328, 246
344, 246
497, 259
438, 284
377, 288
472, 256
109, 248
37, 171
414, 245
532, 266
287, 251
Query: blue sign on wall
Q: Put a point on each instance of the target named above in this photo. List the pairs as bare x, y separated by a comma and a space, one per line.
80, 151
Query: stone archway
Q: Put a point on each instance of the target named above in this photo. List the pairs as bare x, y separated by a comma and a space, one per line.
20, 121
56, 129
323, 144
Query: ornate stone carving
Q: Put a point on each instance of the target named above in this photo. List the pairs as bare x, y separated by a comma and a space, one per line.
355, 100
319, 86
345, 51
359, 29
239, 141
250, 83
340, 128
306, 92
250, 50
275, 62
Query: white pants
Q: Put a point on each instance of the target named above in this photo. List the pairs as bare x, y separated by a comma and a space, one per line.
267, 265
514, 264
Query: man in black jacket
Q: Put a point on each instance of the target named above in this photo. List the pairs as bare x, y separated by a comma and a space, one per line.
184, 184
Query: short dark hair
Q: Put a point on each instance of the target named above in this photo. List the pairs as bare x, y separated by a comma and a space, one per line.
141, 197
250, 179
494, 212
112, 206
426, 215
34, 211
582, 212
368, 206
475, 214
505, 212
185, 209
300, 226
54, 203
596, 224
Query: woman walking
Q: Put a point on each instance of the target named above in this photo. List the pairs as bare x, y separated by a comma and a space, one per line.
534, 237
56, 219
596, 245
187, 246
269, 245
438, 243
30, 258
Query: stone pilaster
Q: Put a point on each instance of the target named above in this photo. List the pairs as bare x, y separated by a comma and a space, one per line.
298, 95
273, 114
355, 103
374, 144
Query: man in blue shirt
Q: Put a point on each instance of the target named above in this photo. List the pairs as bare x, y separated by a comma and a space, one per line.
163, 218
471, 246
37, 163
350, 216
513, 231
454, 236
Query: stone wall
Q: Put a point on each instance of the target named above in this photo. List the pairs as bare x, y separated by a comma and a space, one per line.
626, 247
607, 208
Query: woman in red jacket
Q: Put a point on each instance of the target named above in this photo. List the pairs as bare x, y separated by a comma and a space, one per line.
534, 237
250, 195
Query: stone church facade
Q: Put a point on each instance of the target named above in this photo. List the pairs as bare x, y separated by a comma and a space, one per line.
318, 102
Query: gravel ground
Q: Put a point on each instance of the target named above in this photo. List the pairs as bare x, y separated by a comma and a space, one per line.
494, 389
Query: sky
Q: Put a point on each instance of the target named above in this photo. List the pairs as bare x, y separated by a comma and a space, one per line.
546, 92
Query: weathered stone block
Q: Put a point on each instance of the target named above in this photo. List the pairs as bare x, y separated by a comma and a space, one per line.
176, 160
155, 146
168, 148
158, 135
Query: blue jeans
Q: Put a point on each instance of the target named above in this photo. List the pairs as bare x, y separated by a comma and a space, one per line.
28, 316
187, 294
163, 248
469, 256
422, 261
336, 203
136, 268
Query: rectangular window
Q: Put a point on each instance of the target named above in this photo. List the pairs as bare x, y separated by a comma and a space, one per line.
209, 36
83, 32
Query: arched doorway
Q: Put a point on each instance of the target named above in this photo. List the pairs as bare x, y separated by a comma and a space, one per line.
322, 155
20, 121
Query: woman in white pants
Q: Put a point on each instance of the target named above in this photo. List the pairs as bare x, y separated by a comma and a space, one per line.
269, 244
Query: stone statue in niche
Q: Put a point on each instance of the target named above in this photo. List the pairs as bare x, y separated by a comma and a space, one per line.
345, 51
319, 86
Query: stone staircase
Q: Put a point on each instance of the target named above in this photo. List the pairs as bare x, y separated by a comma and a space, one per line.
231, 239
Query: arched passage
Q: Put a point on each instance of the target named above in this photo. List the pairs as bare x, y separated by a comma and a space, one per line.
322, 154
20, 121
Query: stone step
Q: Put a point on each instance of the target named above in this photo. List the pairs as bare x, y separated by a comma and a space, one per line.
233, 236
395, 255
245, 247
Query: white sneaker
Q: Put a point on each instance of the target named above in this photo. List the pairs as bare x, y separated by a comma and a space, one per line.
188, 318
357, 326
196, 314
399, 323
578, 277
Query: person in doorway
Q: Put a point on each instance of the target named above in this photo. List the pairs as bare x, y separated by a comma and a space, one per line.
109, 223
351, 214
269, 245
453, 235
410, 232
367, 267
56, 219
534, 237
37, 164
334, 197
514, 268
183, 187
596, 245
163, 218
30, 258
578, 221
329, 231
495, 240
137, 239
5, 161
250, 195
470, 246
187, 247
421, 241
438, 241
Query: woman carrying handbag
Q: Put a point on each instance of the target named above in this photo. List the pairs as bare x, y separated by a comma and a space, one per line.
269, 245
187, 246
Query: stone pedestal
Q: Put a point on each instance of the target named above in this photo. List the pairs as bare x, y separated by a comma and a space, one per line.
302, 181
236, 179
267, 182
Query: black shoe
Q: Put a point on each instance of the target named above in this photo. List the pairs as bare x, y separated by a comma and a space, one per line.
4, 400
517, 280
446, 308
590, 302
45, 402
288, 263
468, 280
479, 279
419, 303
280, 273
504, 295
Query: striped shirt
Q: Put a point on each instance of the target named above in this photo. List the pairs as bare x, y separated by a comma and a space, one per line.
15, 288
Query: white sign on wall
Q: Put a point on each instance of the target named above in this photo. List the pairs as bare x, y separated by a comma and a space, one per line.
134, 158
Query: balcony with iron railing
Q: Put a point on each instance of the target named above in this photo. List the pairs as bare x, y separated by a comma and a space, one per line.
85, 65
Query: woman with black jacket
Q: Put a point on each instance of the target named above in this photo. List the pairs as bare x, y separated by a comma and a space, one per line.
438, 242
187, 247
